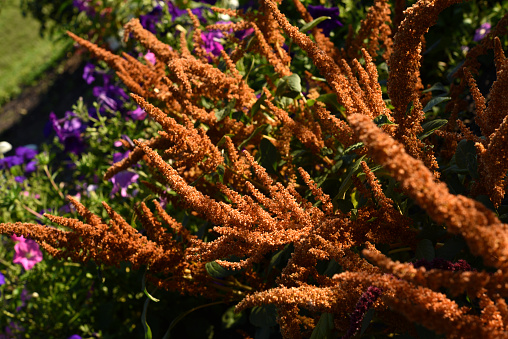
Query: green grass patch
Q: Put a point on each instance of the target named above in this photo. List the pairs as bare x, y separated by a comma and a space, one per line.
26, 55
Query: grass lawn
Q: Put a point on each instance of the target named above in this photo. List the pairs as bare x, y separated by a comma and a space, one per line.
25, 55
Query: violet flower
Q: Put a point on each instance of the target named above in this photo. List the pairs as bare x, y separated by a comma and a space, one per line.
111, 96
212, 41
149, 20
88, 73
27, 153
328, 25
481, 32
177, 12
68, 131
2, 279
19, 179
10, 161
150, 57
121, 181
137, 114
365, 302
27, 252
23, 154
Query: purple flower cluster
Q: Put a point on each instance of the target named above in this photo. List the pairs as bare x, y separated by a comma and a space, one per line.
177, 12
23, 156
149, 20
68, 130
328, 25
442, 264
109, 95
365, 302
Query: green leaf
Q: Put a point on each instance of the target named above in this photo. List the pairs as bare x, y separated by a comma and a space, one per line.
485, 200
347, 182
472, 165
256, 131
310, 25
230, 318
143, 287
345, 205
436, 87
294, 83
324, 328
167, 335
257, 104
425, 250
382, 119
435, 101
282, 256
366, 320
289, 86
148, 331
221, 113
431, 126
217, 271
269, 155
263, 316
332, 268
330, 99
464, 148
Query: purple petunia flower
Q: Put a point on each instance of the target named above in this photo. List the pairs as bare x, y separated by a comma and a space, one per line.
365, 302
27, 252
88, 73
27, 153
212, 43
68, 131
328, 25
244, 33
149, 20
2, 279
10, 161
74, 336
110, 96
137, 114
31, 167
121, 181
19, 179
150, 57
481, 32
23, 154
119, 156
177, 12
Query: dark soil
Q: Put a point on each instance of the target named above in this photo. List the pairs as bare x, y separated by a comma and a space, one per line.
23, 119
